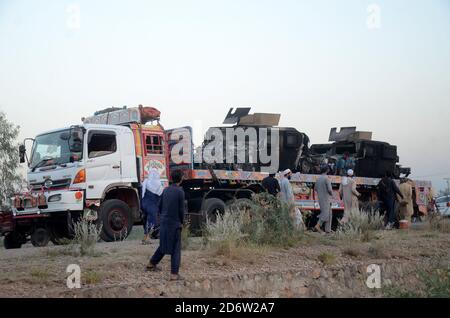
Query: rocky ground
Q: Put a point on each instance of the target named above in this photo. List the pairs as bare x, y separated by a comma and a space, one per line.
319, 266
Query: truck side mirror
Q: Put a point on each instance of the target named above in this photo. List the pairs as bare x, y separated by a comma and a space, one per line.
76, 146
22, 153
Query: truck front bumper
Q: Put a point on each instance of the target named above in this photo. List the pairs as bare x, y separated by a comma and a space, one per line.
48, 202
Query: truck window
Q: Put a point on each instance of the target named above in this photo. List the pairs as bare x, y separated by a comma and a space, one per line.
154, 144
101, 144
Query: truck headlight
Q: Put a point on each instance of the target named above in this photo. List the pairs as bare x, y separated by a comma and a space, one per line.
55, 198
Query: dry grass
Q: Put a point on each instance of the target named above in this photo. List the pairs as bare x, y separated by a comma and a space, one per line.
377, 250
225, 235
186, 236
87, 234
92, 277
353, 251
361, 226
327, 258
437, 223
39, 276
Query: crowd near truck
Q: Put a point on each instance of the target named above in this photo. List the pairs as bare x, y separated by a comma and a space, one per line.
96, 169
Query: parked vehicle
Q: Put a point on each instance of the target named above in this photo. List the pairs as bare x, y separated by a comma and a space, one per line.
97, 168
443, 205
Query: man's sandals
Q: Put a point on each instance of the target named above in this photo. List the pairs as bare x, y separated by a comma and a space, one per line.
152, 268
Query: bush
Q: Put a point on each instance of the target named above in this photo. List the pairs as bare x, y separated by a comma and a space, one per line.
360, 226
225, 234
265, 222
87, 234
270, 221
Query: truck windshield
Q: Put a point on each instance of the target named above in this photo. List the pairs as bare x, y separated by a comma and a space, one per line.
54, 149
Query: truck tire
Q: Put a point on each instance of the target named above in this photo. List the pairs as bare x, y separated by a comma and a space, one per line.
40, 237
12, 241
212, 207
58, 235
116, 219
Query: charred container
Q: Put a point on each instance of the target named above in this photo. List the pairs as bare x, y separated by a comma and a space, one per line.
373, 159
262, 136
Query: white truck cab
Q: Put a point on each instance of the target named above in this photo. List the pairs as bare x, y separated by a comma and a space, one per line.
74, 171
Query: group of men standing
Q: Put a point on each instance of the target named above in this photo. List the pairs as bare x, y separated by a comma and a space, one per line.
169, 204
388, 194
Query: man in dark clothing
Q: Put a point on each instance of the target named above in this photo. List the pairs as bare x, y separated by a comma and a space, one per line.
171, 222
387, 190
271, 185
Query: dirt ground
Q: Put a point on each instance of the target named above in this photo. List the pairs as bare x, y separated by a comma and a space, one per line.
41, 272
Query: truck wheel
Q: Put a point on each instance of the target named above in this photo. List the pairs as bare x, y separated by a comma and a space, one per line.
116, 220
212, 207
57, 235
40, 237
12, 241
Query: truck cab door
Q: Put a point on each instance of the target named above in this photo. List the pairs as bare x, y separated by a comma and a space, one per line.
180, 148
103, 163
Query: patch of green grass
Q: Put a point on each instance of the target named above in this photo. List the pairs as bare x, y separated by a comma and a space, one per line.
327, 258
434, 283
39, 276
92, 277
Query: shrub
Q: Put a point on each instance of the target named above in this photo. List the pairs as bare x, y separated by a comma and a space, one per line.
266, 221
270, 221
225, 234
87, 234
360, 226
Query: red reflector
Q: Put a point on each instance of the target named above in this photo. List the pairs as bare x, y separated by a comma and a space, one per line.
78, 195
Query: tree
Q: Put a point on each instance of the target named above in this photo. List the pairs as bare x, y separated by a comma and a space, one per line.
10, 178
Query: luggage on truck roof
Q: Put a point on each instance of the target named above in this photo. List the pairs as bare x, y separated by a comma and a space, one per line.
124, 115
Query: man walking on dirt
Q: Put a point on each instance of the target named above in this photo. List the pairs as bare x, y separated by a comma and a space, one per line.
325, 193
172, 217
387, 190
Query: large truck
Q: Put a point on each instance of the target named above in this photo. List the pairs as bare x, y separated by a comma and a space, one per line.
97, 168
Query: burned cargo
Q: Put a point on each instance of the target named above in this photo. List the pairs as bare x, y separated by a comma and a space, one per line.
354, 150
253, 143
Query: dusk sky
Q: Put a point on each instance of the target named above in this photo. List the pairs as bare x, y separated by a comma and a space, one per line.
384, 67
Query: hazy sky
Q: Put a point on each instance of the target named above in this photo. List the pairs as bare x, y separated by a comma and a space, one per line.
318, 63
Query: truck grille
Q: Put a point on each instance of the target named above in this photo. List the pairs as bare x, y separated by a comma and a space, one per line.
57, 184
